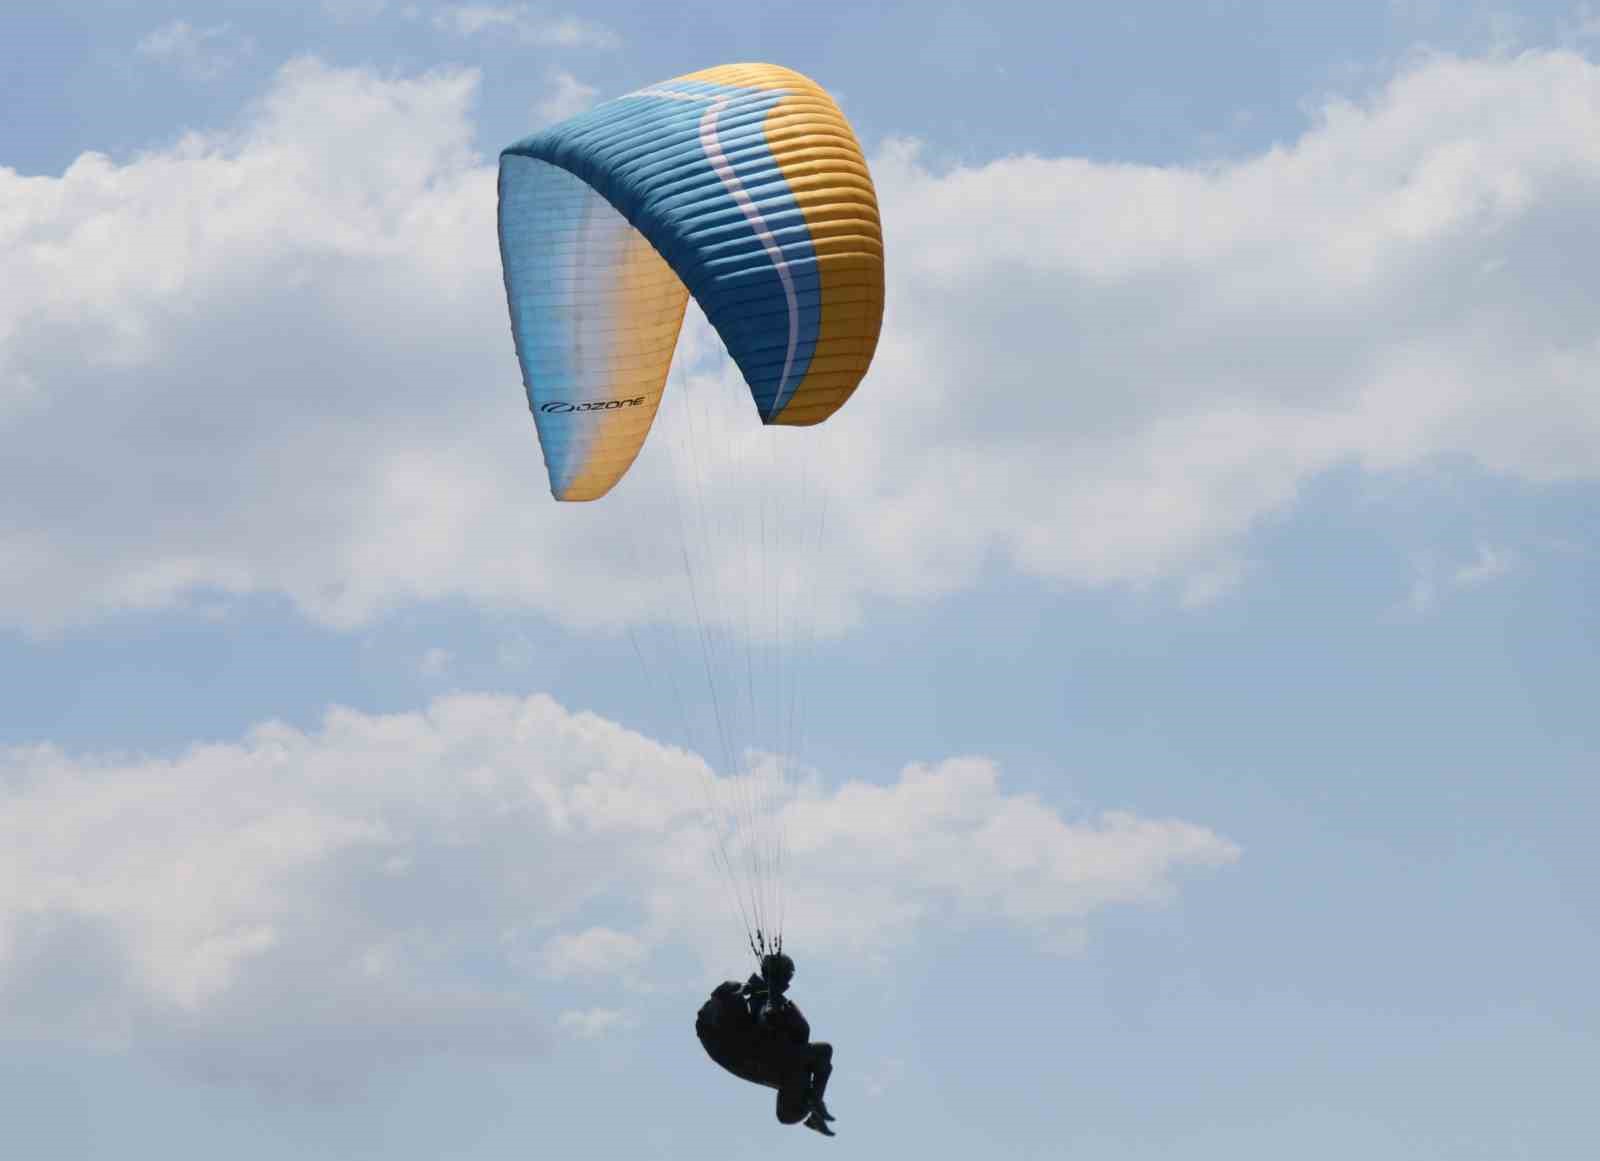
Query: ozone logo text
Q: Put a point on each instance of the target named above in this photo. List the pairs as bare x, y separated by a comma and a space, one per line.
557, 407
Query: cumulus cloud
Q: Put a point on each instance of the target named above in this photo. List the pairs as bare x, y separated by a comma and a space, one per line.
234, 296
1489, 565
1423, 595
202, 53
1430, 580
274, 359
389, 886
568, 95
1385, 290
592, 1023
595, 951
525, 23
1207, 586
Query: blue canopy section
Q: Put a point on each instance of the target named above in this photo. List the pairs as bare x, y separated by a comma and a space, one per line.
689, 166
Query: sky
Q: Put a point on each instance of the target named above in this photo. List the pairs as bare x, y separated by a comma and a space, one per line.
1198, 659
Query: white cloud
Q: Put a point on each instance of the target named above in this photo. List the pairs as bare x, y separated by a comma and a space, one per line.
1423, 595
528, 24
568, 95
388, 886
1221, 335
1490, 565
1208, 586
596, 951
592, 1023
945, 840
1430, 582
1101, 374
203, 53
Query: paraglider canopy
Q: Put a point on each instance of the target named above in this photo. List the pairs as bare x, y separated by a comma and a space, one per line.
742, 185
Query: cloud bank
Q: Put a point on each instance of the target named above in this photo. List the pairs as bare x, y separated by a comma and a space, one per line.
294, 908
274, 358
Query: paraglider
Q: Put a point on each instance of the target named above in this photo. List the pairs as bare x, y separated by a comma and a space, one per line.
757, 1033
743, 187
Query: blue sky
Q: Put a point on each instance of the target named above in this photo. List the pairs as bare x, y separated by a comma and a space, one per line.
1200, 721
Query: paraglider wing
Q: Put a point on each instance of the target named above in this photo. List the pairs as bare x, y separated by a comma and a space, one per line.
742, 185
